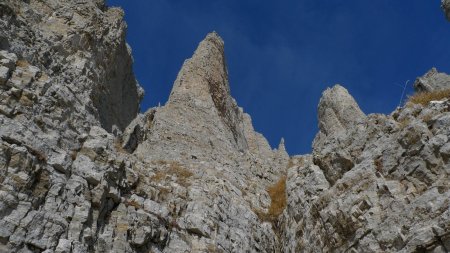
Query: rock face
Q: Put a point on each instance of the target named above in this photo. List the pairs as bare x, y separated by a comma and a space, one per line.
338, 112
446, 8
432, 81
382, 186
81, 46
200, 115
188, 176
82, 171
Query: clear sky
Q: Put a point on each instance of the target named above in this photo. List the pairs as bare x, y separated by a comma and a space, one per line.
282, 54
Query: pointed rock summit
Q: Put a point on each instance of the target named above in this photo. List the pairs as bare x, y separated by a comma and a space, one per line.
200, 110
203, 78
338, 111
203, 83
193, 175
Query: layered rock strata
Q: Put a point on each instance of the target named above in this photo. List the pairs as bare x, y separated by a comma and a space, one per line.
187, 176
446, 7
82, 171
380, 186
432, 81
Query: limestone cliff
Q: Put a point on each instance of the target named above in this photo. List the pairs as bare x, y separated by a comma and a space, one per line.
82, 171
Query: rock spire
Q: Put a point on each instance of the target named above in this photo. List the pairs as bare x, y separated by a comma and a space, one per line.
193, 175
338, 111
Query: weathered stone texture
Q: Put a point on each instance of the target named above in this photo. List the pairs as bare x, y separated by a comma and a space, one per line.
81, 46
380, 186
82, 171
432, 81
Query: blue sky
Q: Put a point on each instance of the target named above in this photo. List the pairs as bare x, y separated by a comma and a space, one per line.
281, 55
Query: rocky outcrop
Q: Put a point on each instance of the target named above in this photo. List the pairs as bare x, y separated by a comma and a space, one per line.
201, 134
200, 115
82, 171
432, 81
80, 45
338, 111
446, 7
382, 186
203, 83
188, 176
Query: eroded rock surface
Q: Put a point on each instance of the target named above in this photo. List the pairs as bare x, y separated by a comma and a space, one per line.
82, 171
81, 46
189, 176
382, 186
432, 81
338, 111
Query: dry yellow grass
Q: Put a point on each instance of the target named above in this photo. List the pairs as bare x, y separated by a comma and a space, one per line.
424, 98
122, 227
73, 154
174, 168
132, 202
277, 193
22, 63
118, 146
404, 123
159, 176
378, 164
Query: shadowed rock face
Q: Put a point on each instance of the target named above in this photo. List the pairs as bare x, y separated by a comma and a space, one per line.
446, 8
193, 175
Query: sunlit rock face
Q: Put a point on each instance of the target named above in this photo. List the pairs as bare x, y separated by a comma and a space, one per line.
81, 170
365, 189
432, 81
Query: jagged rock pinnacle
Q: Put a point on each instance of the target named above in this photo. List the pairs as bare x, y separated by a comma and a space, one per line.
204, 75
193, 175
432, 81
203, 83
338, 111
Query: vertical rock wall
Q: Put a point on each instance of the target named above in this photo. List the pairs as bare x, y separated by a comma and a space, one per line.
193, 175
79, 45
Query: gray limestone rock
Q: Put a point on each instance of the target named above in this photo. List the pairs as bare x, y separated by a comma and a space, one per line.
338, 111
373, 182
82, 171
432, 81
82, 46
4, 75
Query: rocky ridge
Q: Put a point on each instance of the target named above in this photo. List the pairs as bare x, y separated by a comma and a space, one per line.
82, 171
